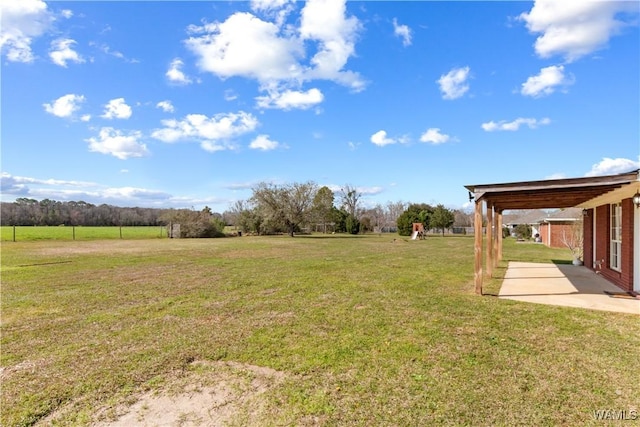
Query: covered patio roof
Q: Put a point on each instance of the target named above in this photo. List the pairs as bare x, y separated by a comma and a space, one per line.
587, 192
553, 193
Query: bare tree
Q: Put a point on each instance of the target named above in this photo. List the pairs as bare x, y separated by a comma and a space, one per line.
289, 206
574, 240
350, 199
462, 218
244, 216
376, 218
393, 210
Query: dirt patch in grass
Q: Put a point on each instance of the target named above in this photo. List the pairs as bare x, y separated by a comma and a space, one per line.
26, 365
95, 247
210, 394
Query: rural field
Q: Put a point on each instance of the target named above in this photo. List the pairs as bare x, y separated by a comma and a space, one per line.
314, 330
29, 233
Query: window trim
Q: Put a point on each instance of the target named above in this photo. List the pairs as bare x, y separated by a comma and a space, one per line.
615, 237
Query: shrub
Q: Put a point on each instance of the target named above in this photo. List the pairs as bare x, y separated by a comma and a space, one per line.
523, 231
194, 224
352, 225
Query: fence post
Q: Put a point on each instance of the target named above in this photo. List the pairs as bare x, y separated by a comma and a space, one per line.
14, 233
73, 228
120, 232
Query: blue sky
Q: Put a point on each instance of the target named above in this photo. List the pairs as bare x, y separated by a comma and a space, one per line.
187, 104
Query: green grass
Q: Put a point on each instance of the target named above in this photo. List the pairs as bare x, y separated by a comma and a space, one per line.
30, 233
369, 331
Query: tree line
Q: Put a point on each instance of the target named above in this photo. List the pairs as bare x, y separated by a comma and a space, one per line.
305, 207
289, 208
26, 211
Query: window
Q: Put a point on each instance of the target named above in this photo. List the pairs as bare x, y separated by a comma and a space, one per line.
616, 237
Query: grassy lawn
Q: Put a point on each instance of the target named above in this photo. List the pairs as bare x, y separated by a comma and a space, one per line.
29, 233
365, 330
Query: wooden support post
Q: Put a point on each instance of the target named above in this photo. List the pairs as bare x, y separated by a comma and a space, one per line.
498, 237
477, 247
490, 240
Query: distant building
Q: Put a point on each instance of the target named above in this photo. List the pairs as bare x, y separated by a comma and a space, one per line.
558, 225
532, 218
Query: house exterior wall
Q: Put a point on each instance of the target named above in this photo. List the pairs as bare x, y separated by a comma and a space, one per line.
626, 276
587, 231
551, 233
544, 234
601, 262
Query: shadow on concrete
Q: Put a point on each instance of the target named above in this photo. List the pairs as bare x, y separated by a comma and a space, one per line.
563, 284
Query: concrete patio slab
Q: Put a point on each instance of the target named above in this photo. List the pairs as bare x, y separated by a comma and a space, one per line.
565, 285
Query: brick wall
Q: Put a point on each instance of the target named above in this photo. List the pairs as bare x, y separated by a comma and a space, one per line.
551, 233
557, 228
544, 233
623, 278
588, 239
626, 277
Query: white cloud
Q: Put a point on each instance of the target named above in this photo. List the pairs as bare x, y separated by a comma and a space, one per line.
402, 31
66, 13
91, 192
291, 99
166, 106
272, 53
242, 185
454, 85
546, 82
515, 124
20, 185
262, 142
246, 46
213, 133
434, 136
20, 23
267, 5
380, 139
230, 95
133, 193
175, 74
117, 109
278, 9
85, 117
557, 175
325, 21
116, 143
367, 191
574, 29
61, 52
64, 106
608, 166
10, 185
115, 53
370, 191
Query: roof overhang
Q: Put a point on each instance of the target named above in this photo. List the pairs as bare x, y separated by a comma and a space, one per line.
585, 192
